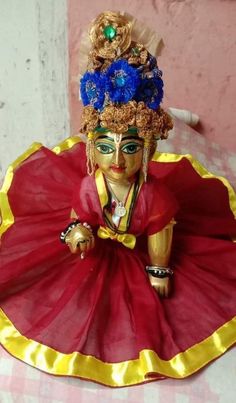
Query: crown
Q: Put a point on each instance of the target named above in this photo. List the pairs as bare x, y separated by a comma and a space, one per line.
122, 88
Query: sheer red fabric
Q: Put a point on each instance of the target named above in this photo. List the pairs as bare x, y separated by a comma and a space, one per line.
104, 305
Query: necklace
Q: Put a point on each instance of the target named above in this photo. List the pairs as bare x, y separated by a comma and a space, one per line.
115, 219
120, 210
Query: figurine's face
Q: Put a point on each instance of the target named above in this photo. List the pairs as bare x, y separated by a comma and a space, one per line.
119, 163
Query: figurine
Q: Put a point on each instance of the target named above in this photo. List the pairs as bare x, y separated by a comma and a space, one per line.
117, 262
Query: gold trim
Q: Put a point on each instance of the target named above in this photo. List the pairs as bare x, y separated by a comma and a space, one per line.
201, 170
101, 188
124, 220
126, 239
5, 209
103, 196
119, 374
123, 223
66, 144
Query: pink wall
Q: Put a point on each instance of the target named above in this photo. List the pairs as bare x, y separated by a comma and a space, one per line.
198, 61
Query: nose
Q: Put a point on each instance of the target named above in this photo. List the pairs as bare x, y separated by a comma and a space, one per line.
118, 158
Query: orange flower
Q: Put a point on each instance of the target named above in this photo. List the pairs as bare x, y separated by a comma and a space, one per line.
118, 118
90, 118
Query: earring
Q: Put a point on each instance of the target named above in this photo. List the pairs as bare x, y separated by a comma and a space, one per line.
90, 154
146, 154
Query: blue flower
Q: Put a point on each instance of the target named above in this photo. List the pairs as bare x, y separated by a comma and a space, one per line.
150, 92
122, 81
152, 61
92, 89
153, 67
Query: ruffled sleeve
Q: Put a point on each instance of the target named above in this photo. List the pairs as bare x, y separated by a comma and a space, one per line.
86, 202
161, 206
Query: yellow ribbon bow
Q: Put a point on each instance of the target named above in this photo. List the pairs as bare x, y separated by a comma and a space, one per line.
127, 240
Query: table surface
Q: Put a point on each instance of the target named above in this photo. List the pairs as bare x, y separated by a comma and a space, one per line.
23, 384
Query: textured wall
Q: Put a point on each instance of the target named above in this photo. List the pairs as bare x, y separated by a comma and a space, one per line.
33, 75
198, 63
199, 59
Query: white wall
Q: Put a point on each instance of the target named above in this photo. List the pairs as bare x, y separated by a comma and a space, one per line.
33, 75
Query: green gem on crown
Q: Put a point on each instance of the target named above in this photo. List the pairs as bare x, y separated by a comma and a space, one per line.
135, 51
109, 32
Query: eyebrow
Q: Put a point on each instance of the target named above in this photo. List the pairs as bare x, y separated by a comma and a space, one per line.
103, 136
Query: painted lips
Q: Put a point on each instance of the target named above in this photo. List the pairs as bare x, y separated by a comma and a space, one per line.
117, 169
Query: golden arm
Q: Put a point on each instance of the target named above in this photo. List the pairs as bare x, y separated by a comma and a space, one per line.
159, 249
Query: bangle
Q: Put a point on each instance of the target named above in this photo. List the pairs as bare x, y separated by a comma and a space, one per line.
160, 272
68, 229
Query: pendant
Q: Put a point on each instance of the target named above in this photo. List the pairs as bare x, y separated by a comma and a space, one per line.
120, 210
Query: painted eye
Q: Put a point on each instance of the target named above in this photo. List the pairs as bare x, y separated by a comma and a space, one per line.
131, 148
104, 148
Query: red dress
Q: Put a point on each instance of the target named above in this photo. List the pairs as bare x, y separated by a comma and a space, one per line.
99, 318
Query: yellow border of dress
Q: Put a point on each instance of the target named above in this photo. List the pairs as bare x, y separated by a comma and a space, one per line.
119, 374
5, 209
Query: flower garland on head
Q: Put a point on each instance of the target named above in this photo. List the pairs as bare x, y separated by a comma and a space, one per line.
123, 87
121, 118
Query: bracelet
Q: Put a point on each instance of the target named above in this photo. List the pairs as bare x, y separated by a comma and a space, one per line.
68, 229
160, 272
72, 225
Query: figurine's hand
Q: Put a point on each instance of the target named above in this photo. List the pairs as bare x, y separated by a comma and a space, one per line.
80, 239
161, 285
